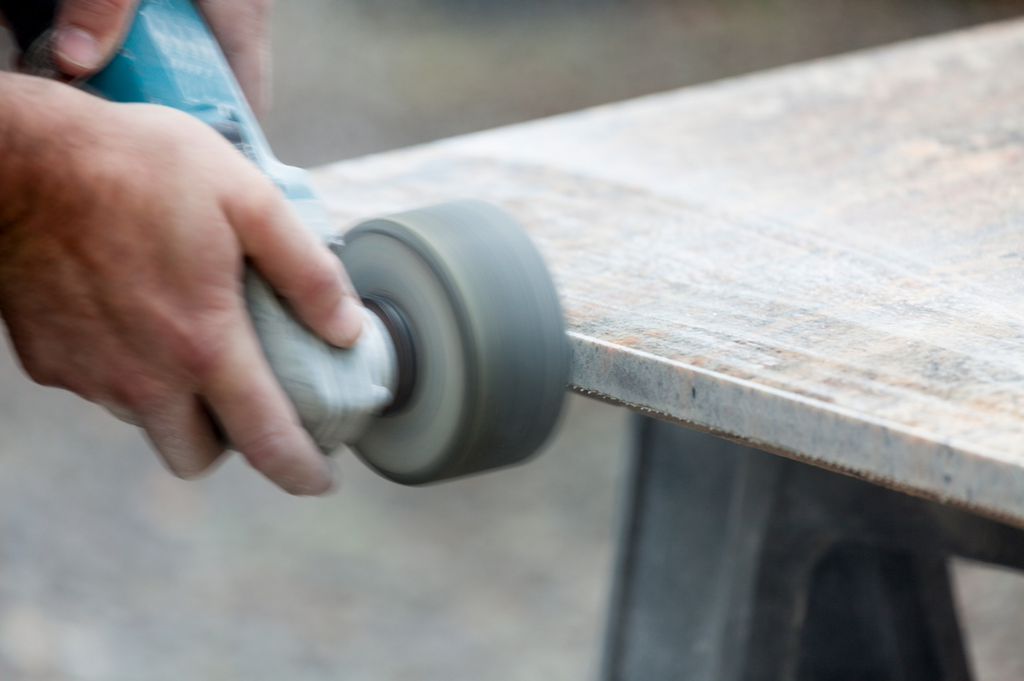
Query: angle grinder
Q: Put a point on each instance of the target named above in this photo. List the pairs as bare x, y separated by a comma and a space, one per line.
462, 363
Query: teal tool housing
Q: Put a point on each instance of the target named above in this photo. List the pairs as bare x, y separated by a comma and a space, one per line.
170, 57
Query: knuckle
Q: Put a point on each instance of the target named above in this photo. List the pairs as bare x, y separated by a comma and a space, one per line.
267, 450
186, 447
321, 288
52, 367
44, 373
197, 344
203, 352
260, 205
137, 392
185, 456
83, 387
44, 368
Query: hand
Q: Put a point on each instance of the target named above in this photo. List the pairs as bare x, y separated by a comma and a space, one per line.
123, 232
88, 32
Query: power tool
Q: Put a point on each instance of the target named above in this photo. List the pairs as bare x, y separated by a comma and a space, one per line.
463, 361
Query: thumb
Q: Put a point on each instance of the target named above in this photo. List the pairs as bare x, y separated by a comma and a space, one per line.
88, 32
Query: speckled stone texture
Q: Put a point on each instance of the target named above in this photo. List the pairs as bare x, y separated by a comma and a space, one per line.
822, 260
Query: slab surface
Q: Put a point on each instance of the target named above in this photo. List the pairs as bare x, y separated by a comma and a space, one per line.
821, 260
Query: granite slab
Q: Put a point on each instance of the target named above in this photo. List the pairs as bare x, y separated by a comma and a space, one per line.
823, 260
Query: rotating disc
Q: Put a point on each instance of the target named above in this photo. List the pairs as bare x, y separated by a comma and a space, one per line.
491, 358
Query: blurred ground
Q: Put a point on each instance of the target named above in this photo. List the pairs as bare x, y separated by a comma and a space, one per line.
111, 569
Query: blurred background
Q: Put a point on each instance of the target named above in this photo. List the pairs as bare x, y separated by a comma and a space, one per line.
112, 569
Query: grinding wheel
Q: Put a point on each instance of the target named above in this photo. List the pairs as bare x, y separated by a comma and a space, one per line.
471, 305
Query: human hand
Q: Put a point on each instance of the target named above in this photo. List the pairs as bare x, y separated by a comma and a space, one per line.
123, 234
88, 32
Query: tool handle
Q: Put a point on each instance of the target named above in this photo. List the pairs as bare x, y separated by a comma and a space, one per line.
170, 57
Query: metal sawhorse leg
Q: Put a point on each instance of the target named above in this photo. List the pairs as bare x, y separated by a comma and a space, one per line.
739, 565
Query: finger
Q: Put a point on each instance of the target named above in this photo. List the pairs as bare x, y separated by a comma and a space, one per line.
241, 27
300, 268
181, 431
88, 32
121, 413
260, 421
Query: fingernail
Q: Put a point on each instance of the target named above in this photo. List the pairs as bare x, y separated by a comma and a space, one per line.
77, 47
347, 322
334, 471
319, 483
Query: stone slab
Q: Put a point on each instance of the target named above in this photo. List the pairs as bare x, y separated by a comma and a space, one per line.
824, 261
